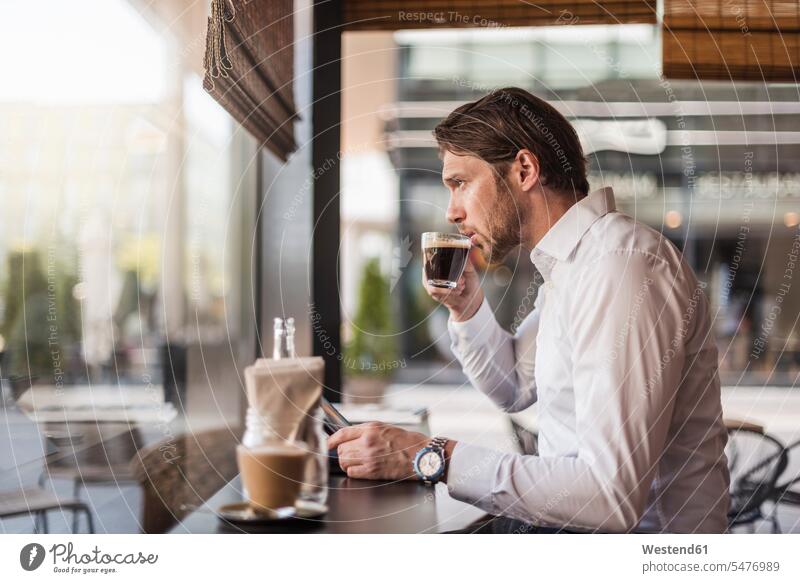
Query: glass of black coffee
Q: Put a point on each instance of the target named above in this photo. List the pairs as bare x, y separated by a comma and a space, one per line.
445, 258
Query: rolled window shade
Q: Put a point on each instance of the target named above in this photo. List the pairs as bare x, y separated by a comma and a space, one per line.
401, 14
249, 68
739, 40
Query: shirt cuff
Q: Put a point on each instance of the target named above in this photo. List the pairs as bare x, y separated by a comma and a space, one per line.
471, 474
463, 333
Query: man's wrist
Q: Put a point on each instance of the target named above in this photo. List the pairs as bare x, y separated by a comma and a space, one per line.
446, 451
449, 447
467, 314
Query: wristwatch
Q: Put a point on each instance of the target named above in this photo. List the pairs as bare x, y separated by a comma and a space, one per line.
429, 462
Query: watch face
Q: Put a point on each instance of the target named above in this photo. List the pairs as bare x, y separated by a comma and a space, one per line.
430, 463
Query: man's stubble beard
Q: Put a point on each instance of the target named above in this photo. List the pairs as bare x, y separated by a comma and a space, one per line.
507, 218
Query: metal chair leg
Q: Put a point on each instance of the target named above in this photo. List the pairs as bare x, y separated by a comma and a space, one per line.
75, 494
80, 507
89, 520
45, 526
773, 517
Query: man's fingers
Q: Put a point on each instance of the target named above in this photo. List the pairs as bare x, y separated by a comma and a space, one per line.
343, 435
349, 462
349, 455
442, 292
358, 472
440, 295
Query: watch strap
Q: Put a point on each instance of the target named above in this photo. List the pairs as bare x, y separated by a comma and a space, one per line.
437, 443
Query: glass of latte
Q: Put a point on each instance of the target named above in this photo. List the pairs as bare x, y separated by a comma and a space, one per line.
445, 258
272, 473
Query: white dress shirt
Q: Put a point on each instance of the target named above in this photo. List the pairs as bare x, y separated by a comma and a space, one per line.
619, 352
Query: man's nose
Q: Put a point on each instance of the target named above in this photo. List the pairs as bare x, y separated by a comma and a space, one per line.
455, 212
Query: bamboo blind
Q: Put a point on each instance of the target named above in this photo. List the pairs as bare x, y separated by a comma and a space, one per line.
402, 14
249, 67
732, 39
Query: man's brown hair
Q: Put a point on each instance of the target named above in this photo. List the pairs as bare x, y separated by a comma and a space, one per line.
505, 121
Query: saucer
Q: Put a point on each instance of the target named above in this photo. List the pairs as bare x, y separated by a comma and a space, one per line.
243, 514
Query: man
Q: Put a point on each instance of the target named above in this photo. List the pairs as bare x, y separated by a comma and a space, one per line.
618, 349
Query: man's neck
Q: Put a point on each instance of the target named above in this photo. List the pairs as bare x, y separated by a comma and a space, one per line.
548, 207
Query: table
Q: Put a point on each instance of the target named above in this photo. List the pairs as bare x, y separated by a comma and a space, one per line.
355, 506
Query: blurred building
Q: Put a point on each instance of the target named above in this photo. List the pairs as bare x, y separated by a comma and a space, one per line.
714, 166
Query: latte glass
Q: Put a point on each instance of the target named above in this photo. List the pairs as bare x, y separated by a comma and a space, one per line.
272, 473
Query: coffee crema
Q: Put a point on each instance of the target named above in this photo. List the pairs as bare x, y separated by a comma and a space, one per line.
445, 257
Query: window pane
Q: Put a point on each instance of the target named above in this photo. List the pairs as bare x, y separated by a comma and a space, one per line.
120, 230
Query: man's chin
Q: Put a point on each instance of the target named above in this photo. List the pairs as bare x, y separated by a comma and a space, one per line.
494, 260
489, 256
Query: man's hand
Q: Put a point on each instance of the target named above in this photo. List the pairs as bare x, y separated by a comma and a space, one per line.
462, 301
376, 451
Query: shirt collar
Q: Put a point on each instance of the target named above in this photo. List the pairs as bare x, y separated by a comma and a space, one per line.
563, 237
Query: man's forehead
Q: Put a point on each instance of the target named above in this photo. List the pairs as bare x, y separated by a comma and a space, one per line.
459, 163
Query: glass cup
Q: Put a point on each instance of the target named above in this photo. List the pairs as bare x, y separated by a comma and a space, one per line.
272, 473
445, 257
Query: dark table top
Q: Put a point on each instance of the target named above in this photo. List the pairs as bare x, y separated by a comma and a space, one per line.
101, 456
355, 506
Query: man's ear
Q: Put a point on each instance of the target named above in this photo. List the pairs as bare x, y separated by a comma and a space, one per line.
526, 166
